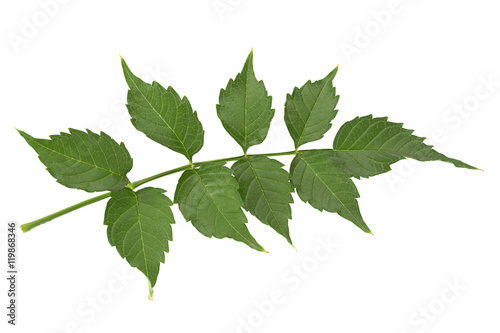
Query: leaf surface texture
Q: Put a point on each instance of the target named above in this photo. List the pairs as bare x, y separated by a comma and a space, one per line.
163, 116
367, 146
310, 109
325, 186
139, 226
245, 107
84, 160
208, 197
266, 190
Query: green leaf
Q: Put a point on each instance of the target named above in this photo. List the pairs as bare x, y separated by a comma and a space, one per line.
84, 160
163, 116
208, 197
245, 108
325, 186
367, 146
265, 189
310, 110
139, 226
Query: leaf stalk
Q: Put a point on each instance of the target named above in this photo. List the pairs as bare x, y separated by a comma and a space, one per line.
28, 226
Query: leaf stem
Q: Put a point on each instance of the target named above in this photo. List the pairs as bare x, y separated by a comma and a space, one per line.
28, 226
159, 175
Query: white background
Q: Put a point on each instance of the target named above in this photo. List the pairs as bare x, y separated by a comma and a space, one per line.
434, 225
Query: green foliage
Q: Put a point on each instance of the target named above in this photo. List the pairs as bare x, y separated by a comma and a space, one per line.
163, 116
210, 195
367, 146
245, 108
325, 186
86, 161
139, 226
310, 109
266, 191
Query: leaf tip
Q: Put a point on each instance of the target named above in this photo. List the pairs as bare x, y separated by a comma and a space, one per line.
22, 133
25, 135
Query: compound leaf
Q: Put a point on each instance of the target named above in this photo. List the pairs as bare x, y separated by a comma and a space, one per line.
266, 190
84, 160
309, 110
163, 116
321, 183
139, 226
245, 107
367, 146
208, 197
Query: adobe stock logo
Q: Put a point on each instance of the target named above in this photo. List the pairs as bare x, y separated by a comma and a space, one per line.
32, 25
91, 309
292, 279
371, 29
225, 6
453, 118
423, 318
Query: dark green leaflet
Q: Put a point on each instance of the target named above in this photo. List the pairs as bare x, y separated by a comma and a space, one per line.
139, 226
208, 197
266, 191
245, 107
310, 109
163, 116
321, 183
84, 160
367, 146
